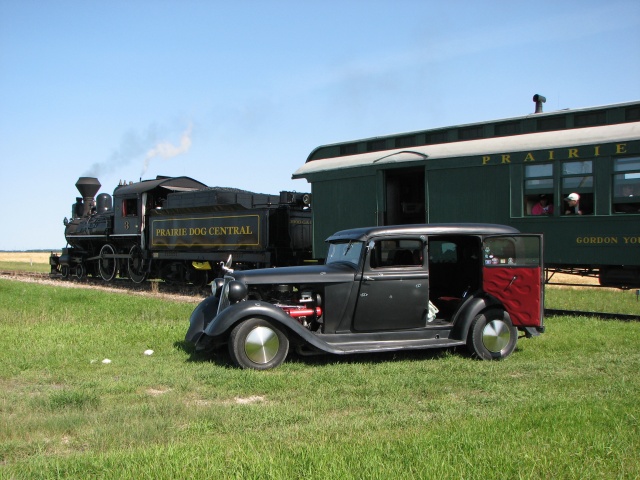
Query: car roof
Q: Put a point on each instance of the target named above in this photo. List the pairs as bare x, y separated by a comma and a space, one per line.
364, 233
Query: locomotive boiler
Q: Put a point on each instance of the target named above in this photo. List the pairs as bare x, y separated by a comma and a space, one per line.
179, 230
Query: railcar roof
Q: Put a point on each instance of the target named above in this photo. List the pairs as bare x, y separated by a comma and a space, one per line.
517, 143
175, 184
364, 233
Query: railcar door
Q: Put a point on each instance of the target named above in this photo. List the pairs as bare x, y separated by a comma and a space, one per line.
513, 273
394, 289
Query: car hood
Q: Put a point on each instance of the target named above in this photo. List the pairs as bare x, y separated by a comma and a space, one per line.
333, 273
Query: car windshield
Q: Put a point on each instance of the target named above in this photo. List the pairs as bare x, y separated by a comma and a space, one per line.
345, 252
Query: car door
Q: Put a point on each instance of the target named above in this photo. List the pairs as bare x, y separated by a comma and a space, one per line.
394, 288
513, 273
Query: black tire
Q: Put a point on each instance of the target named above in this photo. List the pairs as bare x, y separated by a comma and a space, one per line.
65, 271
258, 344
492, 335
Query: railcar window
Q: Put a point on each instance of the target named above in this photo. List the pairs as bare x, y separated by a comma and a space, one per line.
626, 185
538, 185
577, 178
442, 252
515, 251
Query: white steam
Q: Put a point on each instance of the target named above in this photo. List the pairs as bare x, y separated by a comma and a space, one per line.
168, 150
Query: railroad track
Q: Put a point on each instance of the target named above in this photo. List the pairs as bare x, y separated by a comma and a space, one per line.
194, 292
552, 312
151, 288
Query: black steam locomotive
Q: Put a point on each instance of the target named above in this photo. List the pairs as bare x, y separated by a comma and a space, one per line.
179, 230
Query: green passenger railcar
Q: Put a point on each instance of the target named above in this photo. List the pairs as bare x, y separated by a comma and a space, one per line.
519, 171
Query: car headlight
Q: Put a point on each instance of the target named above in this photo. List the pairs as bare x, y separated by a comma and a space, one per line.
237, 291
216, 286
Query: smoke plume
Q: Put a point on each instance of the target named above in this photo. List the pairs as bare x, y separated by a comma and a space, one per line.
135, 145
167, 150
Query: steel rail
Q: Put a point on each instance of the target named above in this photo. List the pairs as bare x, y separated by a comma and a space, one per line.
552, 312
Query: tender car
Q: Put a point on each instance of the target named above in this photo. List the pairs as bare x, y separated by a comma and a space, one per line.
381, 289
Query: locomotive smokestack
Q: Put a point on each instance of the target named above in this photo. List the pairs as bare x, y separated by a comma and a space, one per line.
88, 187
539, 100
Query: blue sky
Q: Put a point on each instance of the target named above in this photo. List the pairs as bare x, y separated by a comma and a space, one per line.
237, 94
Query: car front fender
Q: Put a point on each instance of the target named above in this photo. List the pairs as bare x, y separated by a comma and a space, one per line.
200, 318
221, 325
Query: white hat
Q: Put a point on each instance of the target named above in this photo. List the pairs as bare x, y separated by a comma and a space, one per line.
572, 197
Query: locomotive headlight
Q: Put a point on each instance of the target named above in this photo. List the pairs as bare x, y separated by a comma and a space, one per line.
237, 291
216, 286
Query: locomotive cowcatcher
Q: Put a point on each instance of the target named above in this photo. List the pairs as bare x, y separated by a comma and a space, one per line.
179, 230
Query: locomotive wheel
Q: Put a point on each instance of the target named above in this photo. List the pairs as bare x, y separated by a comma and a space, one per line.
65, 271
136, 265
492, 336
108, 264
258, 344
81, 271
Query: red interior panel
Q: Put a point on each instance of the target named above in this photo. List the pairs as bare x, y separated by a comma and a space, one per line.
520, 296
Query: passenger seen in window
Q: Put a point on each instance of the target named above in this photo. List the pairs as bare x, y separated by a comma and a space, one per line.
543, 207
573, 205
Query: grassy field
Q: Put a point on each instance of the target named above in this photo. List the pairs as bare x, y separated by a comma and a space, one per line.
564, 405
25, 261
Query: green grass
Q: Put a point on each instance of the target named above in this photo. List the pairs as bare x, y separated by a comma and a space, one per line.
564, 405
607, 300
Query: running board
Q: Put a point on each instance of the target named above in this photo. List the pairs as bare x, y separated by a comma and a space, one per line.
391, 345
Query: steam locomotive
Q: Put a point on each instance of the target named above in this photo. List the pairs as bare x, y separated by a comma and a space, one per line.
179, 230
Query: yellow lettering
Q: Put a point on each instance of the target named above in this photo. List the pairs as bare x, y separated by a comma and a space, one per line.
486, 159
596, 151
529, 157
506, 159
551, 155
621, 148
598, 240
573, 153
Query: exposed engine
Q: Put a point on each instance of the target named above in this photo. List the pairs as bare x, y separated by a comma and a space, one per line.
300, 303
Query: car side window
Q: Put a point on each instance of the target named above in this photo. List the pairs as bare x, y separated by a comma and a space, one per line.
443, 251
512, 251
397, 253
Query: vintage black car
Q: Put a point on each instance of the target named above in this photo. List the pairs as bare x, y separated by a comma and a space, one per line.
382, 289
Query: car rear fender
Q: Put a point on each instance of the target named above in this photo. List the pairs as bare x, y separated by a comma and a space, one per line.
468, 311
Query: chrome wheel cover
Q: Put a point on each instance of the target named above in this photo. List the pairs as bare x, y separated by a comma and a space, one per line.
261, 345
495, 335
